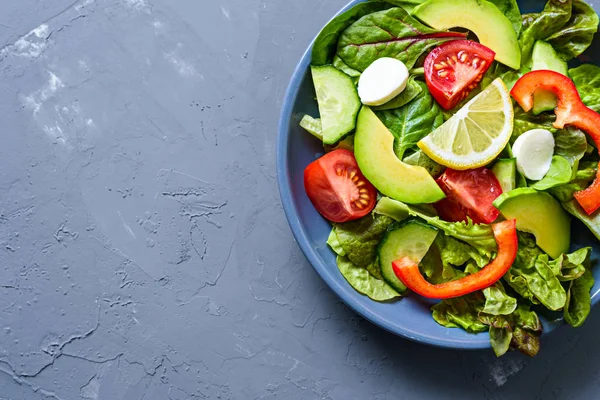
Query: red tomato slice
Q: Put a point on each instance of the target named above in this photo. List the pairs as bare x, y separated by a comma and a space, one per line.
337, 188
470, 193
454, 69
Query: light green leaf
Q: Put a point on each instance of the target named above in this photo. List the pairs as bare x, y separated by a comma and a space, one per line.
584, 176
364, 282
591, 221
460, 312
334, 243
413, 121
500, 339
579, 301
421, 159
497, 302
413, 89
587, 79
559, 174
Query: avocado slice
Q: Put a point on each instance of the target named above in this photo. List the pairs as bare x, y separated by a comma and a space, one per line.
374, 152
540, 214
544, 57
484, 19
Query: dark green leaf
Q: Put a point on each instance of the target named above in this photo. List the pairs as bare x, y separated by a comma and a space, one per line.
412, 122
334, 243
413, 89
360, 238
364, 282
524, 122
500, 339
325, 44
389, 33
579, 300
587, 80
510, 8
571, 144
577, 35
460, 312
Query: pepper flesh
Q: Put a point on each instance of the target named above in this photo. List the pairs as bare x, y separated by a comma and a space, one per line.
570, 111
506, 236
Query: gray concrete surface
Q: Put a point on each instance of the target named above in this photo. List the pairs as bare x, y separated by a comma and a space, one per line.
144, 253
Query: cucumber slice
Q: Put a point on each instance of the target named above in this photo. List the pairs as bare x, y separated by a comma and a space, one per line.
411, 238
312, 126
338, 102
506, 173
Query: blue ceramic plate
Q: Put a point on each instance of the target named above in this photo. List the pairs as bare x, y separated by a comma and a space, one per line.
409, 317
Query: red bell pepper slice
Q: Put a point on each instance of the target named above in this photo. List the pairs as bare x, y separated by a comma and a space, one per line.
570, 111
506, 236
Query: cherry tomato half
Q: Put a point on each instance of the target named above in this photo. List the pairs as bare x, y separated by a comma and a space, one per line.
337, 188
454, 69
470, 193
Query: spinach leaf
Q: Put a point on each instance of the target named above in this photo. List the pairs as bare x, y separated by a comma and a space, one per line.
461, 312
479, 236
413, 121
352, 73
413, 89
542, 25
577, 35
510, 8
359, 239
334, 243
559, 174
421, 159
587, 79
500, 339
579, 300
571, 144
497, 302
524, 122
389, 33
364, 282
325, 44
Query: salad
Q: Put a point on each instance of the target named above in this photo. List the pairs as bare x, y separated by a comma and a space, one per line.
460, 140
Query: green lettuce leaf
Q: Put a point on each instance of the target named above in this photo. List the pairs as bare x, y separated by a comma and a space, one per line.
587, 79
413, 90
584, 176
325, 44
579, 300
577, 35
364, 282
413, 121
569, 267
389, 33
560, 173
500, 339
524, 122
591, 221
540, 26
461, 312
497, 302
479, 236
421, 159
571, 144
334, 243
359, 239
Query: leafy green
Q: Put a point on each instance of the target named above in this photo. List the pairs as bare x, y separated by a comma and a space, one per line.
510, 8
364, 282
591, 221
408, 5
524, 122
584, 176
569, 267
541, 26
421, 159
559, 174
359, 239
456, 253
479, 236
577, 35
413, 89
325, 44
334, 243
500, 339
389, 33
571, 144
341, 65
587, 79
413, 121
497, 302
460, 312
579, 300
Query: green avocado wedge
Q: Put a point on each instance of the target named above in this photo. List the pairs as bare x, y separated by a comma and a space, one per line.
539, 214
484, 19
374, 152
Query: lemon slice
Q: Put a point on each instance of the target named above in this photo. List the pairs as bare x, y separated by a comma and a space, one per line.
476, 134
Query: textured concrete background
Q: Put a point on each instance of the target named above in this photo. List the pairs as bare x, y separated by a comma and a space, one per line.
143, 249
